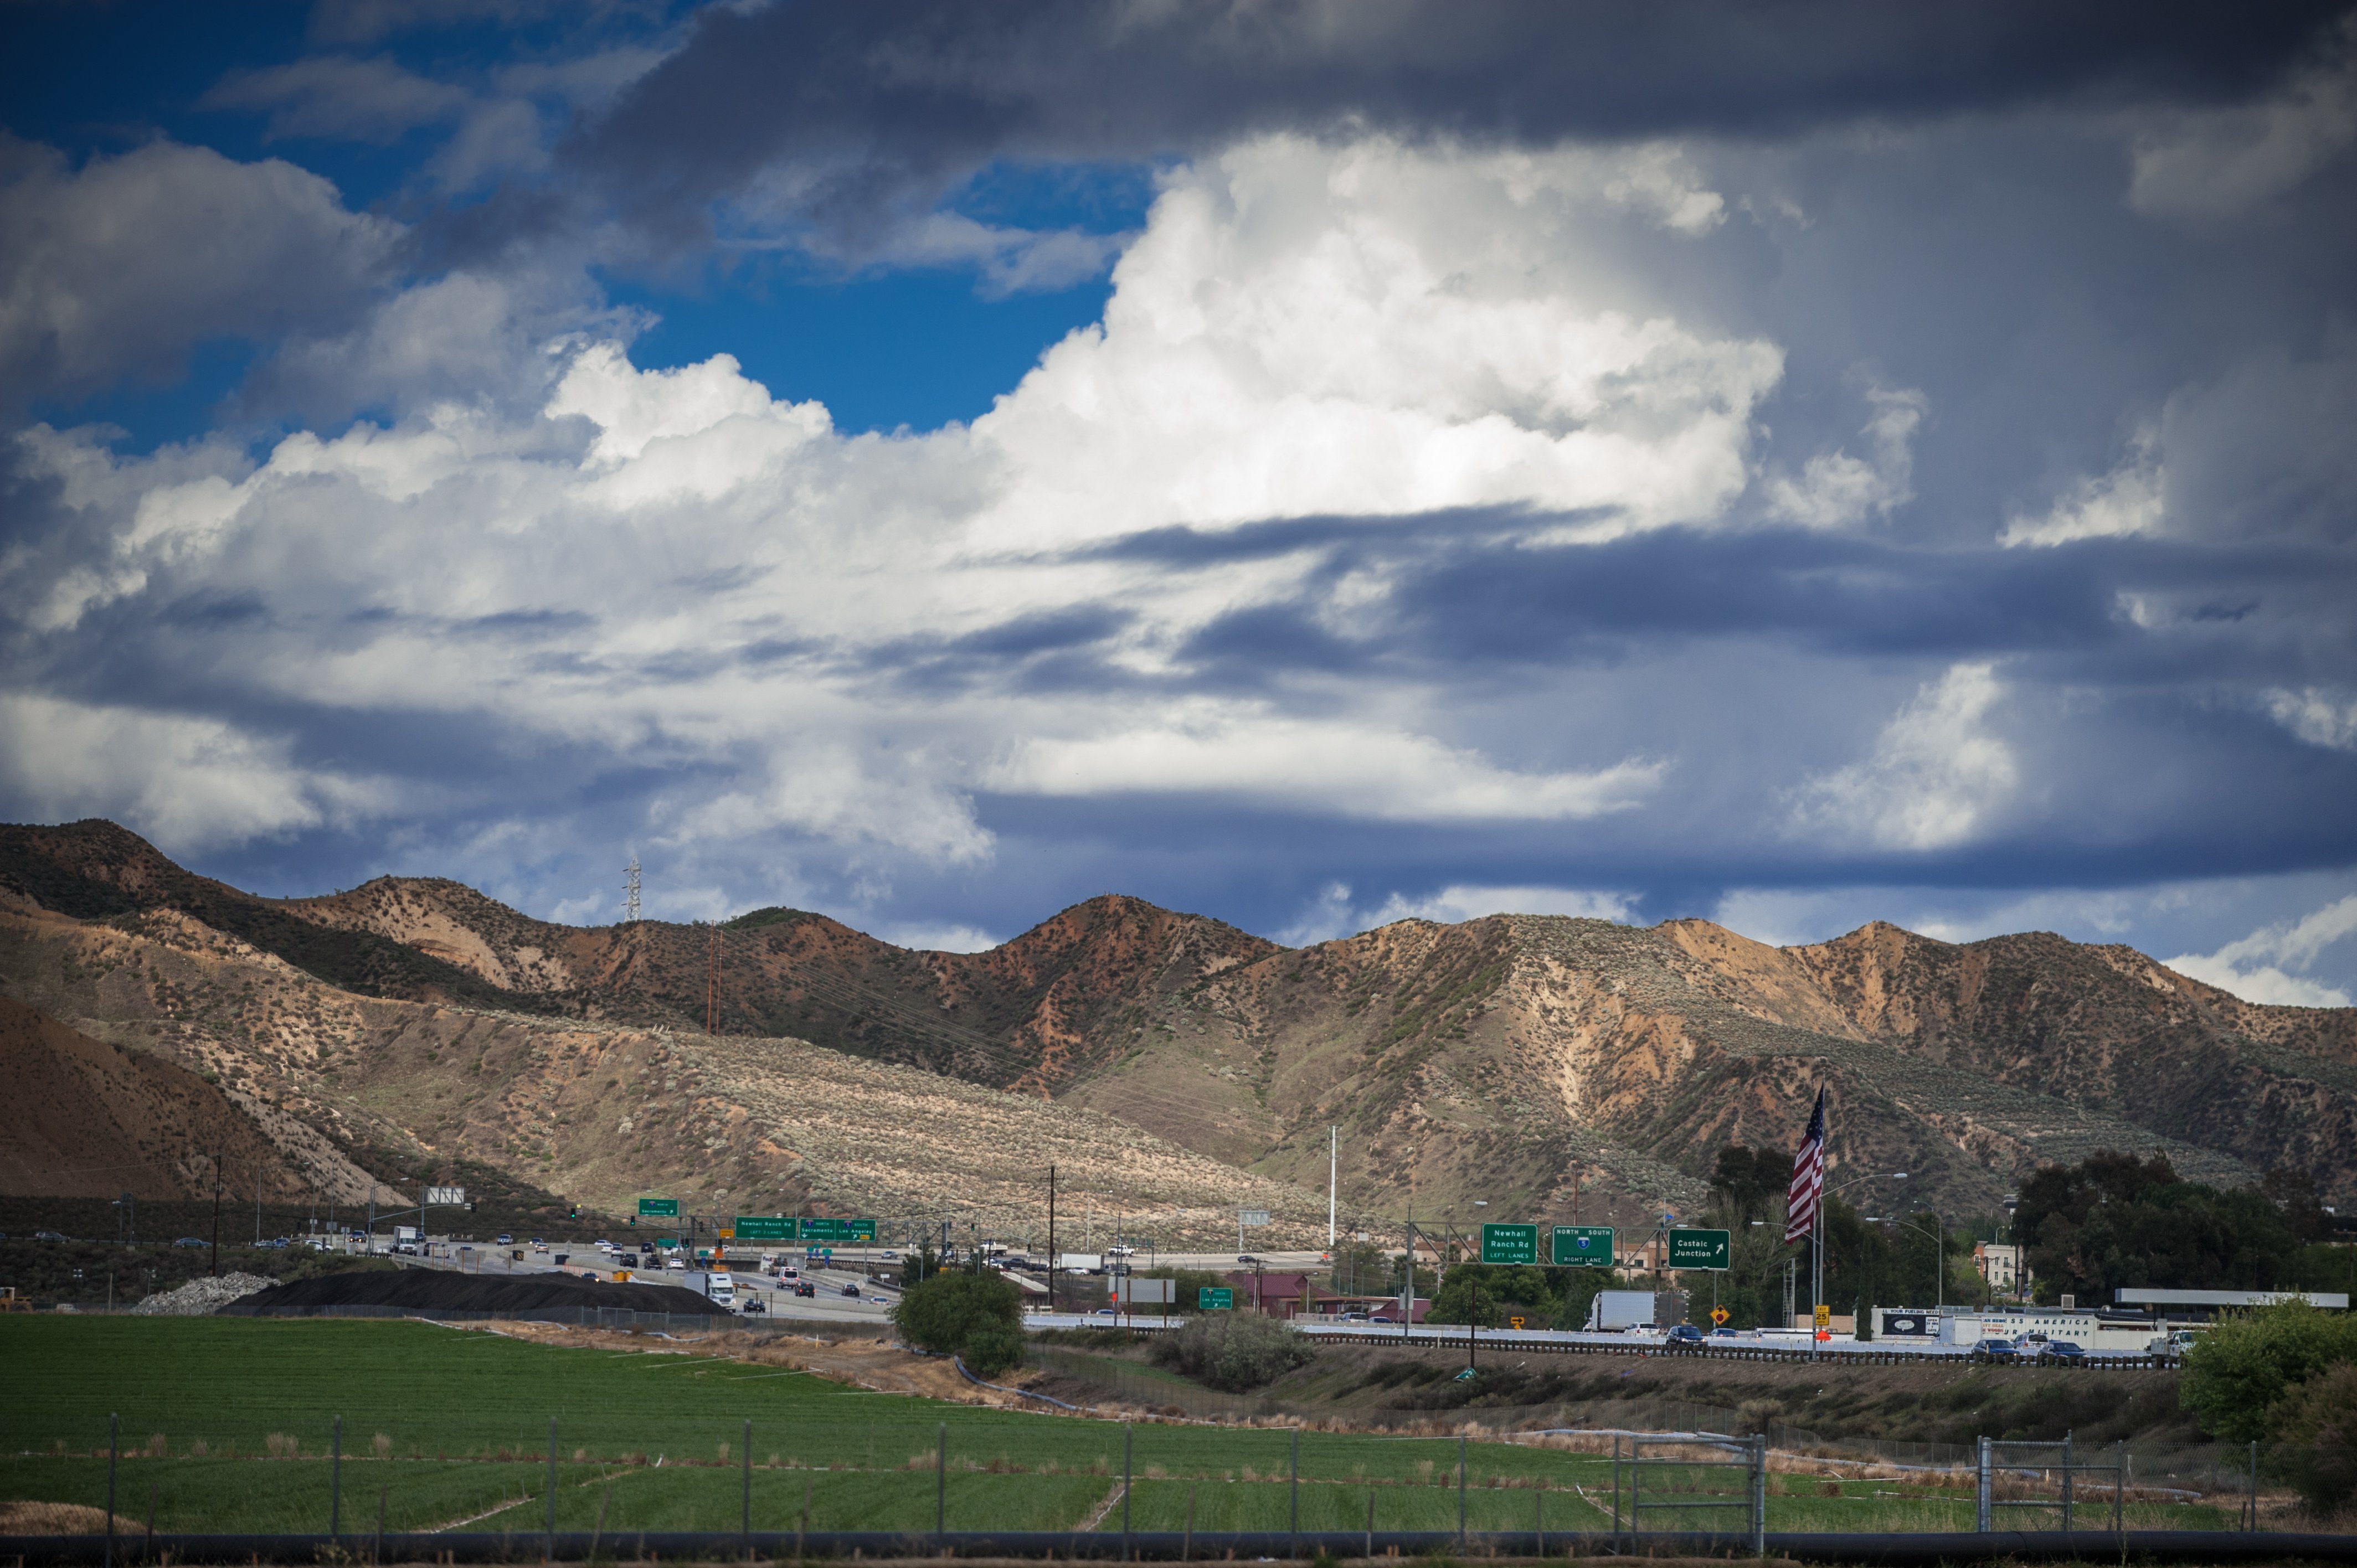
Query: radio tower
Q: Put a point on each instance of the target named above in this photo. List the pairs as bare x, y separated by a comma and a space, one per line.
631, 887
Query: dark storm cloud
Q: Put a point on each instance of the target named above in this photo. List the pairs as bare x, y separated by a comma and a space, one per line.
877, 109
1458, 603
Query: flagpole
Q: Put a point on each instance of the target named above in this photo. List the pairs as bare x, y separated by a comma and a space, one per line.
1817, 1234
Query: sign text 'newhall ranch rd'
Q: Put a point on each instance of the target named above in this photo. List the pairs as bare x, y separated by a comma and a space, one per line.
1510, 1244
765, 1228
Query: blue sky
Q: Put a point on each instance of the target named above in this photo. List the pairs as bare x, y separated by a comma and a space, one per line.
934, 464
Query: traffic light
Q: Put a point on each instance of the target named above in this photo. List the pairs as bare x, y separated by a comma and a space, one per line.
574, 1213
633, 1222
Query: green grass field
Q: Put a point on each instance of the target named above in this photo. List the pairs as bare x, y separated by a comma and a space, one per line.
226, 1425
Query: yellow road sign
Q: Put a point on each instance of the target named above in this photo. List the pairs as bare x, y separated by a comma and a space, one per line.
1718, 1316
1825, 1315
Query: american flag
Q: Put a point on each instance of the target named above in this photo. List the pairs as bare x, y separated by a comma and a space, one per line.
1808, 1186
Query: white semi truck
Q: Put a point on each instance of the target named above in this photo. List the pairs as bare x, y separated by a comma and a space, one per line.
714, 1286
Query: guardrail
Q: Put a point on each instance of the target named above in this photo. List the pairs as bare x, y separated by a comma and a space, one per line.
1895, 1551
1563, 1342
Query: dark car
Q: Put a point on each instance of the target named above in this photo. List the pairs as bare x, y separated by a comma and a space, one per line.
1246, 1257
803, 1287
1994, 1350
2063, 1350
51, 1236
1683, 1334
191, 1241
851, 1291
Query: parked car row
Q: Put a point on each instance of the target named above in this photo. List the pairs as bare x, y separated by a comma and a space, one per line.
2029, 1347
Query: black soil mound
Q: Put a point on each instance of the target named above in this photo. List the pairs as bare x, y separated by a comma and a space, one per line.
432, 1290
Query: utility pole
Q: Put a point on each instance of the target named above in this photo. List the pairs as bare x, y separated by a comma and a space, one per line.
1051, 1237
217, 1197
1333, 1165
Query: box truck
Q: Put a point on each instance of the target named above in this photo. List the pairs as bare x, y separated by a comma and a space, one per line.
1614, 1310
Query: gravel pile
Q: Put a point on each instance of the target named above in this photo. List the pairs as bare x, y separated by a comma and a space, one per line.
200, 1296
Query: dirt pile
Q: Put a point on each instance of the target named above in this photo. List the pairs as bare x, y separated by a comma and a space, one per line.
200, 1296
60, 1519
431, 1290
88, 1119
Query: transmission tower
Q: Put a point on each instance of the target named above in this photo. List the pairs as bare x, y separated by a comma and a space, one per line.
631, 887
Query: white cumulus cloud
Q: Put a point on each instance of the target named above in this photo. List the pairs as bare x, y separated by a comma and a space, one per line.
1935, 776
2265, 966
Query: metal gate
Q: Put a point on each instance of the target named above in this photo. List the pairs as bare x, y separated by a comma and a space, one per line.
2051, 1477
1687, 1483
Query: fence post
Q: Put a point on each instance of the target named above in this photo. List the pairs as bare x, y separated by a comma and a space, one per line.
2254, 1486
1293, 1530
335, 1483
748, 1521
549, 1555
1461, 1490
2069, 1479
114, 1441
1371, 1520
942, 1488
1981, 1508
2120, 1484
1127, 1433
1615, 1486
1760, 1494
381, 1494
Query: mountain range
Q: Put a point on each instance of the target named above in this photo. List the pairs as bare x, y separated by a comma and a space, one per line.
1172, 1067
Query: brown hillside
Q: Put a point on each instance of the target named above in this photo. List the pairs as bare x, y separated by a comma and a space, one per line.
92, 1120
1542, 1064
601, 1112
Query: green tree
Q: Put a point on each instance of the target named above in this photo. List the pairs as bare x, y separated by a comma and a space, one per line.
2114, 1220
1746, 1184
2316, 1438
947, 1312
2238, 1373
1238, 1351
1362, 1268
1501, 1291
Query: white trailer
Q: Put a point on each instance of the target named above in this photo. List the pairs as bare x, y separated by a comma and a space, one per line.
713, 1286
1616, 1309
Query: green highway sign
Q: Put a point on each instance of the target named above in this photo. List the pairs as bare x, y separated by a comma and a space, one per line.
659, 1205
839, 1230
1583, 1247
765, 1228
1698, 1248
1215, 1299
666, 1241
1510, 1244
